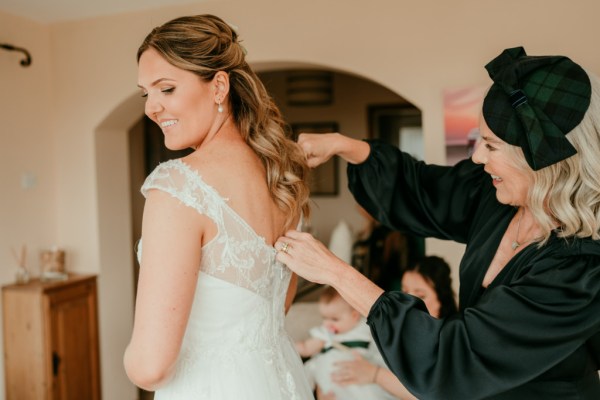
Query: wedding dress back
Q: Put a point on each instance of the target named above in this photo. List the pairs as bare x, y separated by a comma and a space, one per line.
235, 345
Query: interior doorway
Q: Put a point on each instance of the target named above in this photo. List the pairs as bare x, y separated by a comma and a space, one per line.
146, 151
345, 102
324, 100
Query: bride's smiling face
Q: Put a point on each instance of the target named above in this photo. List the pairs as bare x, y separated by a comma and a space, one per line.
182, 105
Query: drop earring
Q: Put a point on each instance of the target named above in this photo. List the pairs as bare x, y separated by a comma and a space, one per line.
220, 108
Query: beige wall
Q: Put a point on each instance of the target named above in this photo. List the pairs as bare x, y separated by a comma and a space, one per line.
65, 118
28, 148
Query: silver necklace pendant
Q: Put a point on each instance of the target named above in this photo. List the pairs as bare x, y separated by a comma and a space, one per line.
515, 244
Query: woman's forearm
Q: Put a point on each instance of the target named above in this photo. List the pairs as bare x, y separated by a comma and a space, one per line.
144, 370
355, 288
352, 150
309, 258
390, 383
318, 148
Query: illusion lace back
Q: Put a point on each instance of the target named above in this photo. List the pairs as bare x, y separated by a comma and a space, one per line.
235, 345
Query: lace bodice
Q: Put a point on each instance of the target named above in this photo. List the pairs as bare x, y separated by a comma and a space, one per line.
236, 325
237, 254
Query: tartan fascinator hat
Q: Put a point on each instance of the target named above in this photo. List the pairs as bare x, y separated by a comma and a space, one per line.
534, 102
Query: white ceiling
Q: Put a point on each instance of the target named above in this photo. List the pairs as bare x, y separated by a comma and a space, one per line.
49, 11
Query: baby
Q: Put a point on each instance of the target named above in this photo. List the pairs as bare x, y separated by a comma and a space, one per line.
342, 332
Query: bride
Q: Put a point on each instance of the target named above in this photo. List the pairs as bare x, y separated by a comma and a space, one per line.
211, 300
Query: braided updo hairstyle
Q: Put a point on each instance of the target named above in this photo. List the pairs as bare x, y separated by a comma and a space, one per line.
204, 45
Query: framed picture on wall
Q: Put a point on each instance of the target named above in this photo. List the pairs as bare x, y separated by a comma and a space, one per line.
324, 178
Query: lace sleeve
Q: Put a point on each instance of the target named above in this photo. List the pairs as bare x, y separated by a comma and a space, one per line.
174, 178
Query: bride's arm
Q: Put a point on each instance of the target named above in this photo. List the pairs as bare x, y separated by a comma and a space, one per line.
169, 272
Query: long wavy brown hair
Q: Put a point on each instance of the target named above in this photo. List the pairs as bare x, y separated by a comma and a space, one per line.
204, 45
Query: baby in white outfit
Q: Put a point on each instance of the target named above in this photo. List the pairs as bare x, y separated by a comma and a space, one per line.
342, 332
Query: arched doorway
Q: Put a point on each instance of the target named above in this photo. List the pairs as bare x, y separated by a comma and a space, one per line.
319, 99
114, 250
119, 178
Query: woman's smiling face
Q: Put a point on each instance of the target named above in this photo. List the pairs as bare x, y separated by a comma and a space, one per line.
177, 100
512, 182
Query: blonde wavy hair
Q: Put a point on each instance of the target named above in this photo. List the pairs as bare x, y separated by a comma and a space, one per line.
204, 45
568, 193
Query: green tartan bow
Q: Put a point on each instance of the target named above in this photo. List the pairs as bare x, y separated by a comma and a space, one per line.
534, 102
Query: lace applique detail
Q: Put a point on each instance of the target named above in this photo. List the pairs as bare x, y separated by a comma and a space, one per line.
235, 345
237, 254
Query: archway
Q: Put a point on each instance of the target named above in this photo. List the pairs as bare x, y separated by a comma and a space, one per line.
114, 250
114, 210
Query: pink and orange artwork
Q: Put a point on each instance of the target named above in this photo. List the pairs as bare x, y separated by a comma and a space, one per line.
462, 108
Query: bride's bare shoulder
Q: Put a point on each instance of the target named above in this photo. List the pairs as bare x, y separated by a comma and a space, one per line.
228, 165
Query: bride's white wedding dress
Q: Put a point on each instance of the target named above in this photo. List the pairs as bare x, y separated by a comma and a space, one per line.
235, 346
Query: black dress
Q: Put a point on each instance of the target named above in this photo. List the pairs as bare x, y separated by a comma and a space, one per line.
533, 333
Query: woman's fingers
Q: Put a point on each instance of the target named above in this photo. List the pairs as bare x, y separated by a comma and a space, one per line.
304, 255
344, 375
297, 235
283, 245
315, 147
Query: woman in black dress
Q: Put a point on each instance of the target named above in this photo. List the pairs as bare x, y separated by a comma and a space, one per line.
527, 206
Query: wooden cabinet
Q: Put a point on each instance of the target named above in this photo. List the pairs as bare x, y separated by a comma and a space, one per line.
51, 340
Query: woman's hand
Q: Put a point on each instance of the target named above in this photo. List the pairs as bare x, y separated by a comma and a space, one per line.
308, 257
320, 147
362, 372
354, 372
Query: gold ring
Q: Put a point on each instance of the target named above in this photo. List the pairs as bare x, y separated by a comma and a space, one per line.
285, 246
